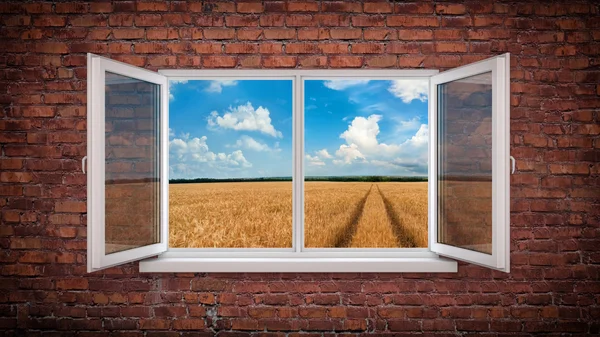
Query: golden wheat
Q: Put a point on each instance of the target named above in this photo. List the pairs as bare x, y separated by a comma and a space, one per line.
329, 208
374, 229
259, 215
230, 215
409, 204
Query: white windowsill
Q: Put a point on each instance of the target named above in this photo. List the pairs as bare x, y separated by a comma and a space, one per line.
298, 265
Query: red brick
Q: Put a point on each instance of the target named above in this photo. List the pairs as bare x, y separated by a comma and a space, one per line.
388, 61
49, 21
88, 20
298, 6
219, 61
450, 9
272, 20
100, 7
188, 324
128, 34
271, 48
342, 6
313, 62
377, 7
162, 34
154, 324
149, 20
120, 20
367, 48
249, 7
152, 7
280, 61
411, 21
70, 207
313, 34
413, 8
300, 20
279, 34
249, 34
450, 47
368, 21
345, 33
52, 48
241, 21
346, 61
15, 177
72, 284
219, 33
241, 48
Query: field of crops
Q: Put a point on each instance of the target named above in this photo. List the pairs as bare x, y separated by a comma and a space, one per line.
337, 214
366, 215
232, 215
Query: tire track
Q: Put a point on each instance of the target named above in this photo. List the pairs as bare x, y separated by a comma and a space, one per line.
373, 228
404, 237
351, 226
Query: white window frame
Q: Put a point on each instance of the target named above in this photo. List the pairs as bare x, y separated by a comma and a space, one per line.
297, 258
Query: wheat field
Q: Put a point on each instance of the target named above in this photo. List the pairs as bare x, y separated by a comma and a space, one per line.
408, 203
230, 215
336, 215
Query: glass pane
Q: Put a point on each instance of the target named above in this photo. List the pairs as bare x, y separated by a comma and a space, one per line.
132, 191
230, 164
465, 163
365, 163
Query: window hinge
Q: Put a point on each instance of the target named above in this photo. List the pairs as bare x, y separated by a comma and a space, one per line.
83, 164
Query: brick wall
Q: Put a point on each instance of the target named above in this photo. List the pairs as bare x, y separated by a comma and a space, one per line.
553, 285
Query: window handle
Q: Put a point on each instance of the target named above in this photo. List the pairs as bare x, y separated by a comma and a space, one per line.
513, 162
83, 164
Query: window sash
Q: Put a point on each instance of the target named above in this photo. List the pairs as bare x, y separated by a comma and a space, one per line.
96, 244
500, 258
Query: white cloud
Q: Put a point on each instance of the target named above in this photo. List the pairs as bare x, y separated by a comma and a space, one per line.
343, 84
250, 143
172, 85
191, 158
420, 139
409, 90
410, 124
324, 154
217, 86
362, 146
363, 132
245, 117
314, 160
348, 153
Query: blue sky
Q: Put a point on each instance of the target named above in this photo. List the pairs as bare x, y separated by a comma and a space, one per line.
230, 129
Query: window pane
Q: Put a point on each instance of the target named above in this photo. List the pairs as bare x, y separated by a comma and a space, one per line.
230, 164
132, 212
465, 163
365, 163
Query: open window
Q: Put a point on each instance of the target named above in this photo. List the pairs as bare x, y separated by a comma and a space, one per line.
126, 196
298, 170
469, 163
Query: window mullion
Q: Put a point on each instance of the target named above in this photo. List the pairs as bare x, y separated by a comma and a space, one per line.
298, 162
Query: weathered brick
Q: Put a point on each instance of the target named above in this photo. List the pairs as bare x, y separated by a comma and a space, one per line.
554, 137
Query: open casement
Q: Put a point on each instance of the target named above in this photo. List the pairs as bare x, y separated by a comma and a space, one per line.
127, 174
469, 163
